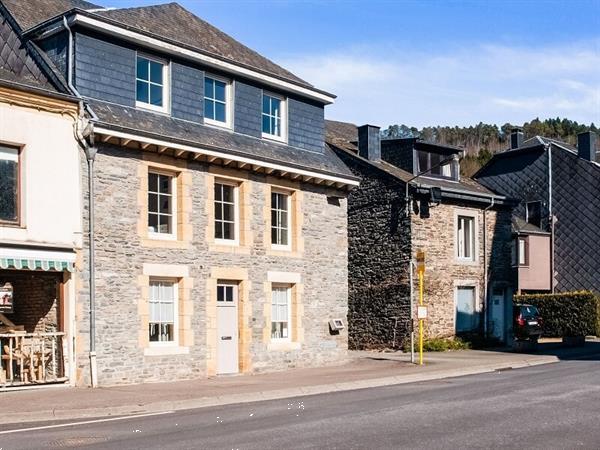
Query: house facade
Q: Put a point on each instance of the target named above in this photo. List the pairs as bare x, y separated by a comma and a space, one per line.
40, 216
558, 215
463, 228
219, 214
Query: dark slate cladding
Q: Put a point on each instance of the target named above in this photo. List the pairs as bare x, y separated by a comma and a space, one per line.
104, 70
306, 125
398, 152
247, 109
187, 92
576, 205
56, 48
378, 259
523, 176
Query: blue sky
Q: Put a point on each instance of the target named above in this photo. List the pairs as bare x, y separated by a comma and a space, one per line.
428, 62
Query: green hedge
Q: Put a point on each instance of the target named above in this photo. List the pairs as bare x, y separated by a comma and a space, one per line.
567, 313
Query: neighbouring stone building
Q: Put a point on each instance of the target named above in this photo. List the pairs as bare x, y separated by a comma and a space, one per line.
40, 216
463, 228
220, 215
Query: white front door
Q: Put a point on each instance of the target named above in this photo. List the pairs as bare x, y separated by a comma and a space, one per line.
498, 307
227, 328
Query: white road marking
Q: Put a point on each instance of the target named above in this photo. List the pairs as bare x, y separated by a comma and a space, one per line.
73, 424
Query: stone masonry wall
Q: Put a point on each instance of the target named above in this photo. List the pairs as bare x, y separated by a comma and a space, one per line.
379, 249
436, 236
121, 254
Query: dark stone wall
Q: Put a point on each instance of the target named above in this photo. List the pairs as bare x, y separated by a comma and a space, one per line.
378, 260
576, 205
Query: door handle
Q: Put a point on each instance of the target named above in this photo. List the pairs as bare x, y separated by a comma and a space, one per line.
225, 338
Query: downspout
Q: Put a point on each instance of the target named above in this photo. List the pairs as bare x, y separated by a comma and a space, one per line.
85, 137
551, 216
485, 269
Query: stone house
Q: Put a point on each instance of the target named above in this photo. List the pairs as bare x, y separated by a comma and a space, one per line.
463, 228
219, 213
557, 217
40, 216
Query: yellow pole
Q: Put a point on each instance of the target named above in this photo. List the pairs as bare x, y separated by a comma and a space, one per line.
420, 320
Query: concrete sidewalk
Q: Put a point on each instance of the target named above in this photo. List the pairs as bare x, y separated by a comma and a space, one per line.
364, 370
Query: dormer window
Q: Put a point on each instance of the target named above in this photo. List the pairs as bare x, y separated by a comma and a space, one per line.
273, 117
151, 83
217, 101
430, 164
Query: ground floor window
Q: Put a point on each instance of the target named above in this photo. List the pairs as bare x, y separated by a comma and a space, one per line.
467, 313
163, 311
281, 312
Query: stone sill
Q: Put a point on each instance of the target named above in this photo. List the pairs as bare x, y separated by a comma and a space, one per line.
166, 351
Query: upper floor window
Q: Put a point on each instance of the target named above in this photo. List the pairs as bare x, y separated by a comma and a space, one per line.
151, 84
217, 103
161, 204
465, 238
280, 219
273, 117
431, 164
9, 185
533, 211
162, 318
226, 215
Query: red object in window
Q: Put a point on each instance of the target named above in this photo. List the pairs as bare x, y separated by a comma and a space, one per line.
520, 320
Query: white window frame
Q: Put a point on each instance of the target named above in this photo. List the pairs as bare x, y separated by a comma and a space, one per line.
288, 289
284, 118
458, 214
173, 234
522, 257
288, 196
234, 285
175, 284
228, 102
13, 154
236, 213
467, 284
166, 84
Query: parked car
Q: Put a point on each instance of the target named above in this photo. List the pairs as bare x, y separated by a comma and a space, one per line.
527, 322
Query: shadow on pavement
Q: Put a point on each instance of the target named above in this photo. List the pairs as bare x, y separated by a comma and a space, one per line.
590, 351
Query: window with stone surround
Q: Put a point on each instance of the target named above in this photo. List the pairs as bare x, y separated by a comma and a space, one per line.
226, 206
162, 201
163, 314
9, 185
281, 203
465, 238
281, 312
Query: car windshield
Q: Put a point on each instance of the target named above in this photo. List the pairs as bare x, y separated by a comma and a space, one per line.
529, 311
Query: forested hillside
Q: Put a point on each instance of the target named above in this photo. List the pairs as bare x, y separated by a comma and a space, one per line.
482, 140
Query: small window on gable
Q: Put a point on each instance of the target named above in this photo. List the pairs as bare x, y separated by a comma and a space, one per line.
534, 213
9, 185
217, 101
151, 84
434, 164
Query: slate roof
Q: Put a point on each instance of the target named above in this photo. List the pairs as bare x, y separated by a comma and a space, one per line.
344, 136
20, 63
122, 118
167, 21
519, 226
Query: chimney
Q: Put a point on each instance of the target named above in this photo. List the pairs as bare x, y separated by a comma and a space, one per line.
516, 138
586, 145
369, 142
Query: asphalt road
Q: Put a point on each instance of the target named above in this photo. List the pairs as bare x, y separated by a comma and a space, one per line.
545, 407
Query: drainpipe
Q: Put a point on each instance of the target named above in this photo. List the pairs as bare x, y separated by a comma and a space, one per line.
485, 269
85, 135
550, 216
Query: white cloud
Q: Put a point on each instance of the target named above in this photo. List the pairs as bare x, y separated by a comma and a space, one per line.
488, 83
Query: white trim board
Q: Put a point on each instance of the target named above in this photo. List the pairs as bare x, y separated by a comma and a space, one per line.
211, 61
242, 159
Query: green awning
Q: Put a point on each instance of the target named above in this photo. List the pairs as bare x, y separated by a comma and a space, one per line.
36, 264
